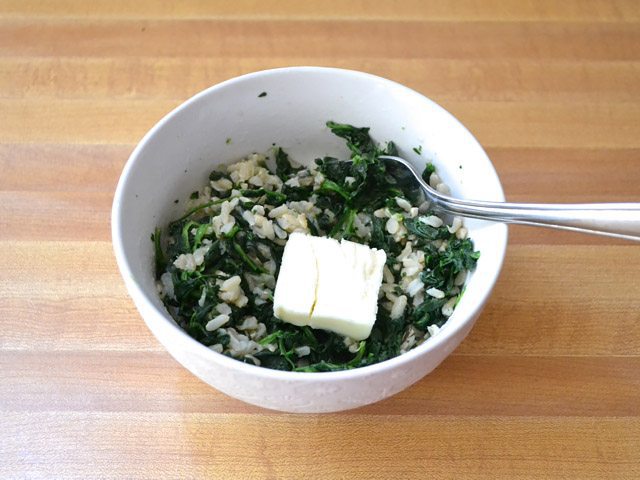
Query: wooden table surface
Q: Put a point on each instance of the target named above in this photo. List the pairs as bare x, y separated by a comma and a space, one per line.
546, 386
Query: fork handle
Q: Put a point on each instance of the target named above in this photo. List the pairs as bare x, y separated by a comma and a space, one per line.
621, 220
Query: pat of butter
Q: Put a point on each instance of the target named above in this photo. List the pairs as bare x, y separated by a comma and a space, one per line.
295, 292
329, 285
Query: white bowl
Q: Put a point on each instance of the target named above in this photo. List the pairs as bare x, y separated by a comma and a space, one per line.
179, 152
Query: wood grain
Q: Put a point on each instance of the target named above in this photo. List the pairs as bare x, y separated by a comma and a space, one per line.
317, 39
441, 79
547, 385
148, 381
207, 445
464, 10
532, 124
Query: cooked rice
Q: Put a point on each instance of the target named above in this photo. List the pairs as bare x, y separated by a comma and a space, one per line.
402, 282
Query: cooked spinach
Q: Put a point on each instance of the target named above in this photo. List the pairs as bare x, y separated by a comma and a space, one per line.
348, 188
284, 169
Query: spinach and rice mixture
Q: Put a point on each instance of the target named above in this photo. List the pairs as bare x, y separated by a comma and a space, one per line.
217, 267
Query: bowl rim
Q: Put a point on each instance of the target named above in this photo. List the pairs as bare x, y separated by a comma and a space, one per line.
137, 293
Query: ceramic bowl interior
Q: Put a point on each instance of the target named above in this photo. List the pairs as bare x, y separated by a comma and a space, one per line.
289, 107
